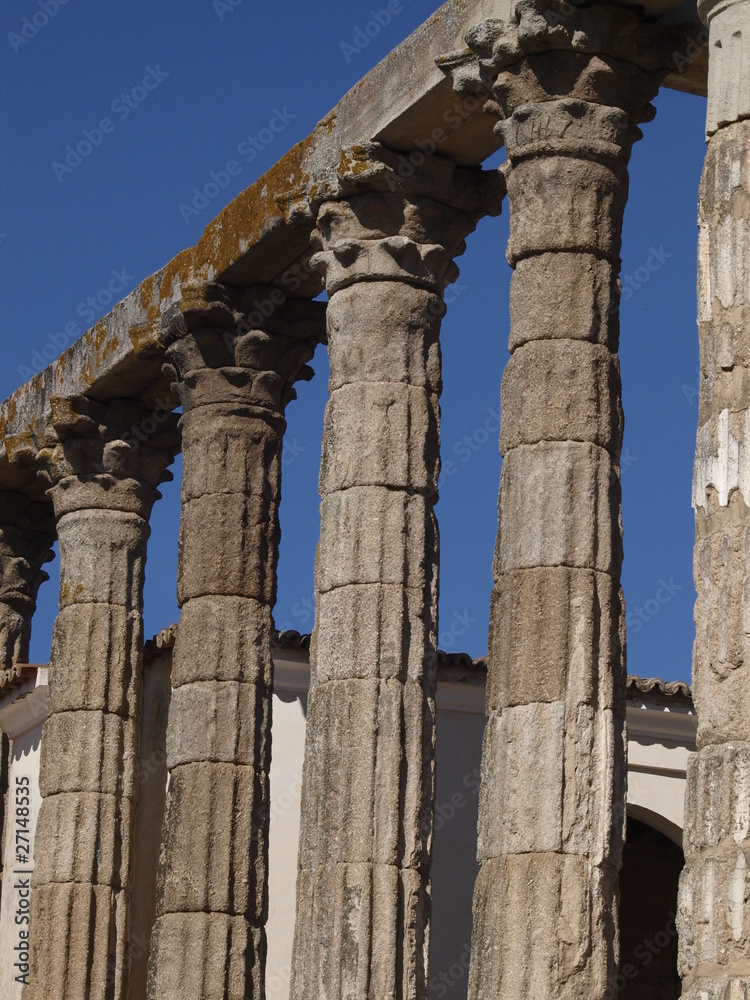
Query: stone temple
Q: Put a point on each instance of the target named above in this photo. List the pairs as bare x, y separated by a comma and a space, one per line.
146, 853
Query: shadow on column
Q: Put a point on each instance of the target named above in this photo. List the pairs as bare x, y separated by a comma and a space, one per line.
648, 902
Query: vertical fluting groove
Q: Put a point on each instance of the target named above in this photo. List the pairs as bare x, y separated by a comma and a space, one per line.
714, 903
212, 895
363, 889
103, 490
552, 800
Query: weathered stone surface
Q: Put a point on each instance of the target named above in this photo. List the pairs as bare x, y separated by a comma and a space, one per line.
722, 644
559, 390
734, 988
559, 506
558, 634
722, 458
401, 220
375, 535
717, 798
26, 538
220, 721
412, 358
376, 630
581, 304
89, 752
724, 216
548, 923
234, 452
15, 631
379, 810
110, 572
208, 566
390, 438
583, 203
372, 939
87, 838
214, 835
240, 648
552, 782
728, 86
95, 650
206, 955
713, 917
71, 921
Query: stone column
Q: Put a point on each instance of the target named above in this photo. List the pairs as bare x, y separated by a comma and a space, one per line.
552, 800
363, 890
104, 486
714, 910
234, 381
27, 532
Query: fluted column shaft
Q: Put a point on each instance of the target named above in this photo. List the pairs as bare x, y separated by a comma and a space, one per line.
363, 890
552, 799
212, 898
553, 767
714, 912
103, 492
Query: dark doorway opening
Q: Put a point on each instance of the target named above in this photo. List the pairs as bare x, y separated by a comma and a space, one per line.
648, 903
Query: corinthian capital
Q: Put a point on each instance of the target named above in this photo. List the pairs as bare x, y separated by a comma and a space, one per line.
549, 51
245, 348
109, 455
396, 221
27, 531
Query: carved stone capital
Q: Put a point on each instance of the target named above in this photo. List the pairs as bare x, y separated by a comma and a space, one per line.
27, 532
395, 258
246, 349
372, 168
376, 236
729, 61
546, 52
109, 455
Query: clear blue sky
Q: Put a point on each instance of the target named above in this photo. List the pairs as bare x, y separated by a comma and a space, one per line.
185, 88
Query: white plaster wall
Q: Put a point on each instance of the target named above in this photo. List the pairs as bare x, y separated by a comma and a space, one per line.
288, 752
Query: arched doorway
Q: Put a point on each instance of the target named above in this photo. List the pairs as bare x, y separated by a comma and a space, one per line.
648, 903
